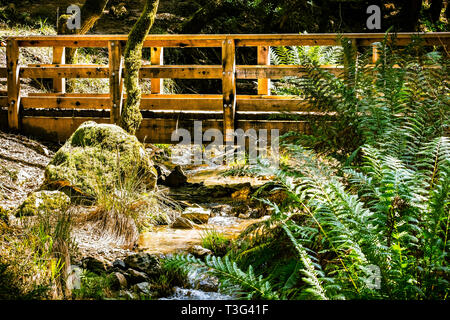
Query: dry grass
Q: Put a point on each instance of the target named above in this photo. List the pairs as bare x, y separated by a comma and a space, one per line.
35, 255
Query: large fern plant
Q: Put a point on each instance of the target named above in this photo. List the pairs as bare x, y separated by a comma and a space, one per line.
387, 104
382, 213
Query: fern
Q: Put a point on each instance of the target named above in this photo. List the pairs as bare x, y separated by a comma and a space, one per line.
233, 279
312, 276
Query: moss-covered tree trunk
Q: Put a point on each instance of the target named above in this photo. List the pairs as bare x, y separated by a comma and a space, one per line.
131, 115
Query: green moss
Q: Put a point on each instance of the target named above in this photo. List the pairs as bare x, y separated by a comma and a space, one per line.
94, 157
43, 201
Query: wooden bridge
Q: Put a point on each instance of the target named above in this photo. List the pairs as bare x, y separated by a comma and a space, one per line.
57, 114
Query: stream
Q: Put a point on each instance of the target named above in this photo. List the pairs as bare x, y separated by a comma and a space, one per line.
167, 240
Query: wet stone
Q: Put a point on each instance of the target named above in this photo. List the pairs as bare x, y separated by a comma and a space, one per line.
197, 214
182, 223
119, 264
135, 276
94, 265
199, 252
144, 262
119, 281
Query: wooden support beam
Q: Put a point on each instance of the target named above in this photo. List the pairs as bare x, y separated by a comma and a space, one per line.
49, 102
180, 72
375, 54
180, 40
182, 102
229, 89
13, 81
65, 71
279, 71
157, 59
59, 57
348, 61
264, 59
151, 130
115, 80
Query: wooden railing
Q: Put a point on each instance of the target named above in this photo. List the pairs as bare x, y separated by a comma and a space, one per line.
58, 114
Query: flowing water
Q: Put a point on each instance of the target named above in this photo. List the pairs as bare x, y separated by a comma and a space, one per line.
167, 240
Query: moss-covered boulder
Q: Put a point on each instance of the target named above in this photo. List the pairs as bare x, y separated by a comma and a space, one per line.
43, 201
96, 157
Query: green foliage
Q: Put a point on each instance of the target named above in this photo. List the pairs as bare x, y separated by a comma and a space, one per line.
35, 256
405, 95
384, 207
93, 286
233, 280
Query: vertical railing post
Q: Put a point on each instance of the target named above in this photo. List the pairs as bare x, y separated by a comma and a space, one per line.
375, 54
115, 80
263, 59
228, 89
352, 59
59, 57
157, 58
13, 81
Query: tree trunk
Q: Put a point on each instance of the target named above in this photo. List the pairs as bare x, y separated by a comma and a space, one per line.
131, 115
91, 11
411, 13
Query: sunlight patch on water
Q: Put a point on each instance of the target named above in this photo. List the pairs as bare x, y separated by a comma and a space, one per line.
164, 240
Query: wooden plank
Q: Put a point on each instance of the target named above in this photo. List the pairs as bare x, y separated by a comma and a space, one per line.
375, 54
263, 58
174, 72
157, 59
181, 72
13, 82
66, 71
68, 94
279, 71
205, 102
228, 89
66, 102
364, 39
59, 57
115, 80
3, 73
151, 130
182, 102
92, 43
161, 130
55, 129
214, 103
348, 61
272, 105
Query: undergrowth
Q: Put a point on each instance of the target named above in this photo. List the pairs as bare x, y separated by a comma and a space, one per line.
375, 226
